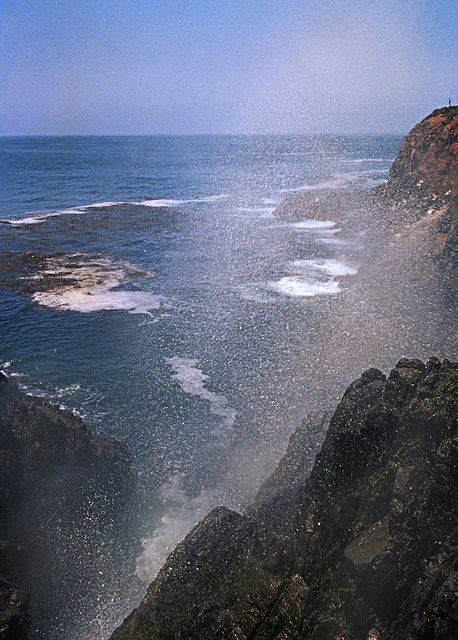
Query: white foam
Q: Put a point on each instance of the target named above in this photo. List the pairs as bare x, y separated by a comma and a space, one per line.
160, 203
41, 217
37, 219
157, 203
193, 381
329, 267
182, 512
338, 182
78, 282
304, 287
336, 241
261, 212
79, 210
101, 205
363, 160
312, 225
87, 301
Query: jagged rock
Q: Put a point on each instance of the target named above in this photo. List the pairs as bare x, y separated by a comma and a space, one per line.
375, 555
277, 501
222, 582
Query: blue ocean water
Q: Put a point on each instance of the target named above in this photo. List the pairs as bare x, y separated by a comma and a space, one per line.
146, 283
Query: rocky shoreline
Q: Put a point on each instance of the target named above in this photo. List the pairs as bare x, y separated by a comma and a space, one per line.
360, 544
367, 547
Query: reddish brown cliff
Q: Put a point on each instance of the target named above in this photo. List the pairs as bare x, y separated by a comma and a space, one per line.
427, 162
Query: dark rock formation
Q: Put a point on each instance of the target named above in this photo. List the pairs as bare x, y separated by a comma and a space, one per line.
374, 548
63, 494
222, 581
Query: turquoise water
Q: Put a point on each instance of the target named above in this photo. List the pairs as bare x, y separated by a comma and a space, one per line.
147, 284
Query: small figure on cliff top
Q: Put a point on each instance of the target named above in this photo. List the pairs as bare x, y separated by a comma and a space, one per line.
449, 102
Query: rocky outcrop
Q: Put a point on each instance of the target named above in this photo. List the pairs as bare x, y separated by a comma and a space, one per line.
63, 494
373, 551
427, 162
223, 581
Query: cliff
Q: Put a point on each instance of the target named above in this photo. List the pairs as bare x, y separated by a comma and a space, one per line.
427, 162
63, 494
361, 545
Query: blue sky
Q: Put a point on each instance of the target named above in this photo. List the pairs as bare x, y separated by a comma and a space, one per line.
227, 66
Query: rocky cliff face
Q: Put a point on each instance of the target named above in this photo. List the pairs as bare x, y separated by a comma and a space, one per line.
61, 492
403, 300
369, 551
427, 163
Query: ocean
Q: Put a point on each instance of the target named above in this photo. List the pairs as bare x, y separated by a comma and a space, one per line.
147, 284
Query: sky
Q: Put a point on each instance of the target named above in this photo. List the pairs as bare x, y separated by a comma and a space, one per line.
77, 67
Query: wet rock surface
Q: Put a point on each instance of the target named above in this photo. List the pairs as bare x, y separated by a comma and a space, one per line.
374, 548
63, 494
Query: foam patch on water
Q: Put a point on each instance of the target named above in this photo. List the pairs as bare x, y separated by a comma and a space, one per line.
83, 283
193, 381
159, 203
262, 212
304, 287
329, 267
175, 203
41, 217
312, 225
182, 512
364, 160
100, 205
5, 368
337, 182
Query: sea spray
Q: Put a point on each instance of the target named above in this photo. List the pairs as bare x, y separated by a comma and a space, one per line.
207, 313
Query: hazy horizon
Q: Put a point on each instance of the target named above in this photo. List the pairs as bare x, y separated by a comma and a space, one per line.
237, 67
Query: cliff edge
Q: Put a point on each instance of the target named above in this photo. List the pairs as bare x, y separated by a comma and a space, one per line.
427, 162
